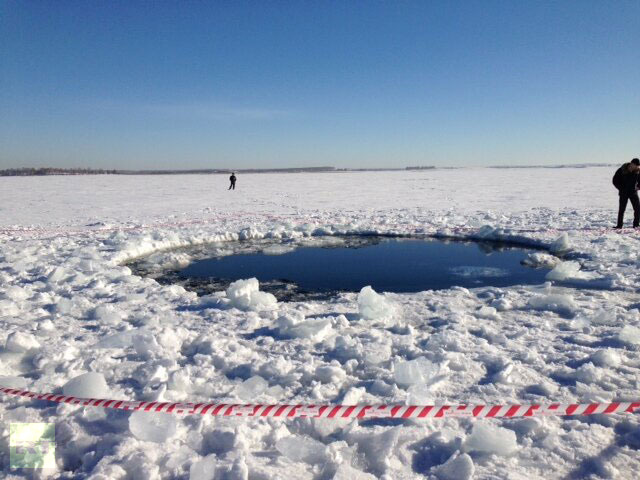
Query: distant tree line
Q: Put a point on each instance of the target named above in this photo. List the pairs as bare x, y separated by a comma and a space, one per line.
30, 172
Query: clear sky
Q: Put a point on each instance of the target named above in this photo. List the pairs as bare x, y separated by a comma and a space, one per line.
236, 84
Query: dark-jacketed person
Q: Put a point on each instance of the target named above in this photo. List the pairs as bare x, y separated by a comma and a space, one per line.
232, 179
626, 181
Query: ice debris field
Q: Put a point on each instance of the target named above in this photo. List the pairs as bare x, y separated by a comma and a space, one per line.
75, 321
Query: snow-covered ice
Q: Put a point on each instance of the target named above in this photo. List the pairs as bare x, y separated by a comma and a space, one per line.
418, 371
630, 334
251, 388
294, 325
87, 385
565, 270
152, 427
19, 341
302, 449
75, 320
246, 295
488, 438
204, 469
373, 306
456, 468
560, 303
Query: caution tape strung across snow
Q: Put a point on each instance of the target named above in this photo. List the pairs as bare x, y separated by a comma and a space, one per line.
338, 411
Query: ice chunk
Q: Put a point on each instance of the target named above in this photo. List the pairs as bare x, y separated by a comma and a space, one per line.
107, 314
174, 261
170, 339
246, 295
561, 244
564, 271
379, 448
16, 293
487, 312
347, 472
545, 388
330, 374
239, 470
179, 381
587, 373
249, 233
13, 382
485, 231
470, 271
278, 249
146, 345
63, 306
302, 449
541, 260
562, 304
458, 467
251, 388
295, 326
56, 275
354, 395
373, 306
204, 469
275, 392
8, 308
328, 426
504, 375
629, 334
420, 394
376, 353
152, 427
606, 358
19, 342
142, 341
488, 438
46, 325
87, 385
419, 371
501, 304
117, 340
579, 323
605, 317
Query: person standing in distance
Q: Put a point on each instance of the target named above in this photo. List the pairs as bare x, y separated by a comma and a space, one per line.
232, 179
626, 181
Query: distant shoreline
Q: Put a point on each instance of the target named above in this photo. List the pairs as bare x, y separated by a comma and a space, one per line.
33, 172
47, 171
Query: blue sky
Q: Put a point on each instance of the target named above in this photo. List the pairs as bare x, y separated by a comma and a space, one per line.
347, 84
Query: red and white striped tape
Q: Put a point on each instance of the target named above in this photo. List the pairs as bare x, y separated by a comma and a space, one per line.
338, 411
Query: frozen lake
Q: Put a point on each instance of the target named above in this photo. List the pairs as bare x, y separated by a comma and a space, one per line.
71, 303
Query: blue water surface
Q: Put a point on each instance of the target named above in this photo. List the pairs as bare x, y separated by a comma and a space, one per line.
387, 264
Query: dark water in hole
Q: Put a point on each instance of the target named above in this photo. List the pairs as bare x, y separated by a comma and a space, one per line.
388, 265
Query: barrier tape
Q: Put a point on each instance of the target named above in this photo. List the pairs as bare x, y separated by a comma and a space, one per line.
338, 411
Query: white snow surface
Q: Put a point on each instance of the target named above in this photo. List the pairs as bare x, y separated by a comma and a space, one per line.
69, 306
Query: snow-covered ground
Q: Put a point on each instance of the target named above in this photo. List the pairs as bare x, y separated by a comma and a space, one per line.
68, 306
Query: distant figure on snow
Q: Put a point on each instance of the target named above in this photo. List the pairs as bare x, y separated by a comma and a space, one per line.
626, 181
232, 179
